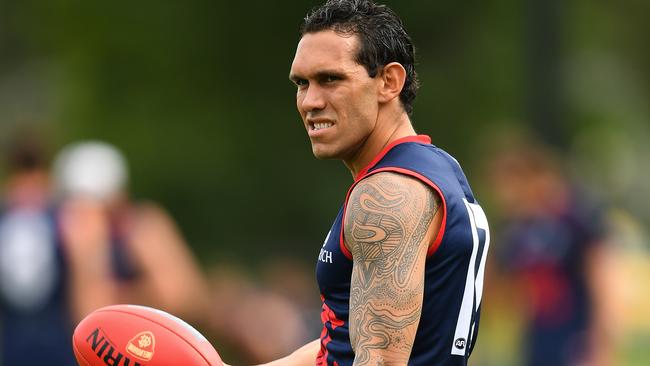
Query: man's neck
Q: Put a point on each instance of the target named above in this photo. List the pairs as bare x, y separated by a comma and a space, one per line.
384, 133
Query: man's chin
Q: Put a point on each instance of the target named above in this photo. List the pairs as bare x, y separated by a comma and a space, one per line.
323, 154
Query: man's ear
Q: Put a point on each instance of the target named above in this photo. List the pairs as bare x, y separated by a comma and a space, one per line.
393, 77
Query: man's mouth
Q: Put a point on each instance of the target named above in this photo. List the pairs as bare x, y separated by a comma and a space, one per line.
320, 126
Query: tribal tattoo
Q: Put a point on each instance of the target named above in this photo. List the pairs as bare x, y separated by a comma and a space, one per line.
386, 224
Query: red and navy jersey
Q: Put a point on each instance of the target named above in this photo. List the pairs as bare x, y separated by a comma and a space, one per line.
454, 267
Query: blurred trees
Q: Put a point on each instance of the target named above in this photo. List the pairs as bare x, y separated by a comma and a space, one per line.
196, 94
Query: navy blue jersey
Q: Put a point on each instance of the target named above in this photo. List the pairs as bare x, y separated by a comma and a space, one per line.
454, 268
547, 253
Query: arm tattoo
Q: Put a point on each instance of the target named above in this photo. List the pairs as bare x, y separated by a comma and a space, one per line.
386, 223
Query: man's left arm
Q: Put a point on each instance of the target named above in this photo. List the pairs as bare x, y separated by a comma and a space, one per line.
389, 224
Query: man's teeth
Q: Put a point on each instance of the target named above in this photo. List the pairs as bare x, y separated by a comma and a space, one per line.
318, 126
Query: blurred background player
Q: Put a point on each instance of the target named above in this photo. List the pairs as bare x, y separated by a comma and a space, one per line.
75, 242
244, 308
65, 254
553, 253
35, 323
119, 251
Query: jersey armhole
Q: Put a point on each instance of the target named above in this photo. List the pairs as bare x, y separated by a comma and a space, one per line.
435, 244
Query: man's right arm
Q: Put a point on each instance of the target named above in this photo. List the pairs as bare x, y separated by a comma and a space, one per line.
303, 356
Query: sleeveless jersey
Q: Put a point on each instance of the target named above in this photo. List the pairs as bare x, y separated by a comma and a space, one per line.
454, 268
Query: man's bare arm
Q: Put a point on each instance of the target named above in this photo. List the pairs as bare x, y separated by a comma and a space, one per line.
388, 227
303, 356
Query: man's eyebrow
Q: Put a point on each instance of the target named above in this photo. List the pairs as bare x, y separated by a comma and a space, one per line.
321, 74
326, 73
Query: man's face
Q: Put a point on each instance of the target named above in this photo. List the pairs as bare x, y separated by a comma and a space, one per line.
337, 100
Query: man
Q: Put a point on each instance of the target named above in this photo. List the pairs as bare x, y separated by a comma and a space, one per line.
401, 270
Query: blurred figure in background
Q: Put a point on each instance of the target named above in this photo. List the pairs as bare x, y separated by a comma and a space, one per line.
77, 242
553, 254
244, 309
35, 322
119, 251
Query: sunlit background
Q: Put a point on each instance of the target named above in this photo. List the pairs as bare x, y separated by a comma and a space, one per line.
196, 95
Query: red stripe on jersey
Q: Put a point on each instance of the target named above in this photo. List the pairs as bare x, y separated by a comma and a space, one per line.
423, 139
326, 316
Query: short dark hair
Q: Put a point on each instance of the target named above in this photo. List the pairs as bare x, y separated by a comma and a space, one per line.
381, 33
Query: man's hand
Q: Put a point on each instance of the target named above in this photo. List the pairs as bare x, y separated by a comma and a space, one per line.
303, 356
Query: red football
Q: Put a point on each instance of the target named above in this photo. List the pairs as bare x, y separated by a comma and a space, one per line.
131, 335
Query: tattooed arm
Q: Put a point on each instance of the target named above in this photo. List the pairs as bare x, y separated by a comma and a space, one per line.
390, 221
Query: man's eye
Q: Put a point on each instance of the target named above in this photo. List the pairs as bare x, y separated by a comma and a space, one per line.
300, 82
331, 78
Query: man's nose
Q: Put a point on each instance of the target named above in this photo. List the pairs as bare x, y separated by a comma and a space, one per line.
313, 99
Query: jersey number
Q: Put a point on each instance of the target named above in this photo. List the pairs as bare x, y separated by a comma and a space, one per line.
474, 281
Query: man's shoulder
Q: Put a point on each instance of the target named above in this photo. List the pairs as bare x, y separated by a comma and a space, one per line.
390, 191
392, 181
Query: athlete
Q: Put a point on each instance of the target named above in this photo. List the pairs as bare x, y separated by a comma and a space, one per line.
401, 270
555, 257
35, 322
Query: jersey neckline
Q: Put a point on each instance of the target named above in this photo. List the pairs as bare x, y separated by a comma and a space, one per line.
422, 139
